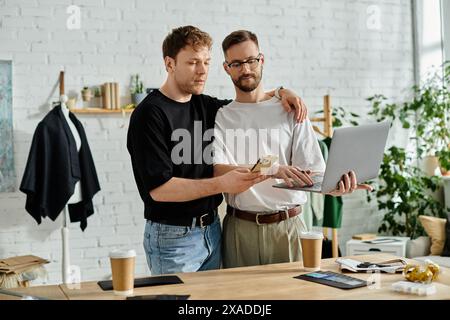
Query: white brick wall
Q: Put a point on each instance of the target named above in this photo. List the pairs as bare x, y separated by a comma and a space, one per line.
314, 47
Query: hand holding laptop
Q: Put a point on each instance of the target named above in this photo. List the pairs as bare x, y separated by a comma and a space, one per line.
354, 157
348, 184
294, 176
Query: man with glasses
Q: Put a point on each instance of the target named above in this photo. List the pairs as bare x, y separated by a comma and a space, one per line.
263, 223
169, 139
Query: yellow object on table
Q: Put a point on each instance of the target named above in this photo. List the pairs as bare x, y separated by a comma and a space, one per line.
422, 273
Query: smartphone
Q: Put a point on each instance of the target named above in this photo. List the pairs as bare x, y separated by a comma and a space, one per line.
257, 166
264, 162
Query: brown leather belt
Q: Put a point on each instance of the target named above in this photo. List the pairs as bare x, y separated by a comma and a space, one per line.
260, 218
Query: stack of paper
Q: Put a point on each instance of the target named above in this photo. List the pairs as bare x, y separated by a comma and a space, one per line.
390, 266
364, 236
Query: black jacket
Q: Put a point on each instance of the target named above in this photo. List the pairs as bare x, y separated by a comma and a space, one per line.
54, 166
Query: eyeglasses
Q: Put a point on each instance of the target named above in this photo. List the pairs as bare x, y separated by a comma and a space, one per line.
252, 63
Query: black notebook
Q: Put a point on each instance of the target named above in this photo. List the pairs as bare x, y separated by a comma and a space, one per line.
333, 279
144, 282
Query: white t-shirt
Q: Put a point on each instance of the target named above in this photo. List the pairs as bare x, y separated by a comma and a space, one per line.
245, 132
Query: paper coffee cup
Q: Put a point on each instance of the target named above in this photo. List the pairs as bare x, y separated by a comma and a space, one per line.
122, 266
311, 250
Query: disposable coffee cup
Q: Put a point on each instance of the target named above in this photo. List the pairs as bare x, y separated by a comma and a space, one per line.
311, 250
122, 266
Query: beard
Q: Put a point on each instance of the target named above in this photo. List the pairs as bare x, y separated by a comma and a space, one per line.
249, 87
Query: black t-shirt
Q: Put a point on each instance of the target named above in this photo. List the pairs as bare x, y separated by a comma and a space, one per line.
162, 139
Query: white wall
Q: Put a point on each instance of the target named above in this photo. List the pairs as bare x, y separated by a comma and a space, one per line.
446, 29
314, 47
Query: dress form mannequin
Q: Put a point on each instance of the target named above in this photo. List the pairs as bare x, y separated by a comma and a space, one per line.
75, 198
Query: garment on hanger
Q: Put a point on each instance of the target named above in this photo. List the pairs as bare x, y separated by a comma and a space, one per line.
54, 166
332, 211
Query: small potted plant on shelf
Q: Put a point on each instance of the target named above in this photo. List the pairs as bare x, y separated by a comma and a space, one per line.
86, 94
97, 92
137, 89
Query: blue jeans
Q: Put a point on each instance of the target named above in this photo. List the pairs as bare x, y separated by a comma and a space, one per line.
173, 249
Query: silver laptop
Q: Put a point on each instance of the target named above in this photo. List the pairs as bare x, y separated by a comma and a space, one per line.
359, 148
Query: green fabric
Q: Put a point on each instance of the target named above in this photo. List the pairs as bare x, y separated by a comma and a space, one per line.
316, 200
307, 213
332, 212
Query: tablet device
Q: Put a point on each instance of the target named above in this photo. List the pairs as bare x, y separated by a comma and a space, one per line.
333, 279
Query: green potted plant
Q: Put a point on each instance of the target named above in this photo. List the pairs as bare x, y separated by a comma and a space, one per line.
97, 92
428, 114
342, 117
86, 94
137, 89
406, 191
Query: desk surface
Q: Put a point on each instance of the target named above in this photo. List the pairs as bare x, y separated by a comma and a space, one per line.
54, 292
272, 282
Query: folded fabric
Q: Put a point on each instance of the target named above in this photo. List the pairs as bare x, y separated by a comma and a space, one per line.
332, 211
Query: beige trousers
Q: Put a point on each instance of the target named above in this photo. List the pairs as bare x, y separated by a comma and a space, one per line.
246, 243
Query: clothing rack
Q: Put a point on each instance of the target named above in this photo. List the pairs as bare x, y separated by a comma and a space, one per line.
65, 267
327, 132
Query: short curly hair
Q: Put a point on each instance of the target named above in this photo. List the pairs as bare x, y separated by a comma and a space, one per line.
180, 37
237, 37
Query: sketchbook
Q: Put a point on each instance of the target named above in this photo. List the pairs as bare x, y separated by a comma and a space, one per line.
390, 266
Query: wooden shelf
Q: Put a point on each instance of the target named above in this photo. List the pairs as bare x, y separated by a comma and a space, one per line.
99, 111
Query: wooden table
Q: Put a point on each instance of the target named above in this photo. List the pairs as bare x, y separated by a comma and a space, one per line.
51, 292
272, 282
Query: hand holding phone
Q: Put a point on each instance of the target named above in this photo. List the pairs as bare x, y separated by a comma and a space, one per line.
264, 163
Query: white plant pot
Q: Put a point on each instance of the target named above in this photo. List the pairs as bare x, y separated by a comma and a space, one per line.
430, 165
138, 97
419, 247
86, 95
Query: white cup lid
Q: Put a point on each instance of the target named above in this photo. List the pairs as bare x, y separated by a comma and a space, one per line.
311, 235
121, 254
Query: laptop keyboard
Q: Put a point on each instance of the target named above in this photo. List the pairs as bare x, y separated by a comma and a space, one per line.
317, 179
